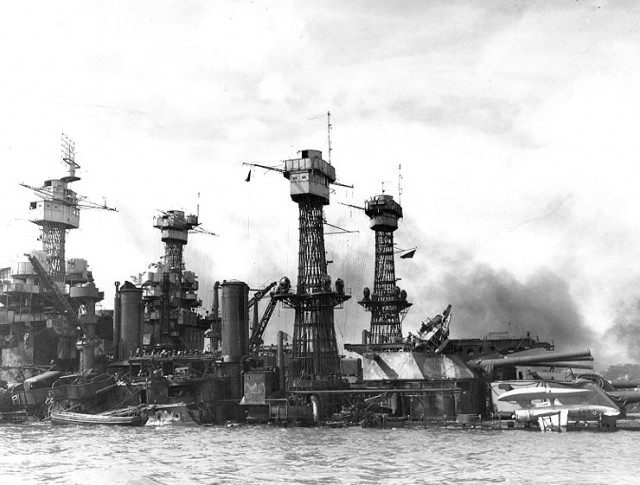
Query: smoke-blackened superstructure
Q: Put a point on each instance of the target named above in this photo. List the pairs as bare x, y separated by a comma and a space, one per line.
171, 295
168, 292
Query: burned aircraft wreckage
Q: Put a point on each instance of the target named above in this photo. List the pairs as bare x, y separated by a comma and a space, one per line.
158, 358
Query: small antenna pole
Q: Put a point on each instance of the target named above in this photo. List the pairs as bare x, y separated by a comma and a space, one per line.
329, 134
198, 206
400, 183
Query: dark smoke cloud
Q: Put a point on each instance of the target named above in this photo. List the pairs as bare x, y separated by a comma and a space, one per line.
486, 300
625, 331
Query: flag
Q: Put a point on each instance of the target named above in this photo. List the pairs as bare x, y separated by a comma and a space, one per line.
408, 255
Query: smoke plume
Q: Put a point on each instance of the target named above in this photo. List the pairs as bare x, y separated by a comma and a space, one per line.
487, 300
625, 331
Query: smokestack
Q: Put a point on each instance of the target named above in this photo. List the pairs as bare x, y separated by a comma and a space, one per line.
131, 317
235, 321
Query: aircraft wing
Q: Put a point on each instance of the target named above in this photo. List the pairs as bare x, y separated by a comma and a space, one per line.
528, 394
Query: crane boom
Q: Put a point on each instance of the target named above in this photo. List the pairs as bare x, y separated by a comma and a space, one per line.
59, 301
260, 294
256, 337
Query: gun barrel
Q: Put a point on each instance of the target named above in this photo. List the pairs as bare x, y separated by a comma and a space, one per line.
569, 365
625, 384
546, 357
628, 395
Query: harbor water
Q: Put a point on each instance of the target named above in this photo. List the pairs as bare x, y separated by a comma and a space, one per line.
40, 453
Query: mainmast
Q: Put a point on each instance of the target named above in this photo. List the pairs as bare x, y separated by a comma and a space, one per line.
387, 304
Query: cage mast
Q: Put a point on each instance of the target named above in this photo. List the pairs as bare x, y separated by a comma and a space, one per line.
316, 363
387, 304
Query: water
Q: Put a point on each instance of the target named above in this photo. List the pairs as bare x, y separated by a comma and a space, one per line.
39, 453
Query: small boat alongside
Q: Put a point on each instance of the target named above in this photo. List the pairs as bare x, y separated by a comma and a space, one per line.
68, 417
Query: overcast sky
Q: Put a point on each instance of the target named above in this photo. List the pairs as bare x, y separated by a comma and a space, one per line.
514, 122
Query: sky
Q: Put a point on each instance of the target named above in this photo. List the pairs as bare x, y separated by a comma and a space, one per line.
513, 123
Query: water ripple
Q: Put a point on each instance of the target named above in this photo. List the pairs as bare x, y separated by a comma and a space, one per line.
262, 454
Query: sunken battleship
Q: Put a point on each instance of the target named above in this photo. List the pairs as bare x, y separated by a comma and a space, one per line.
158, 358
48, 320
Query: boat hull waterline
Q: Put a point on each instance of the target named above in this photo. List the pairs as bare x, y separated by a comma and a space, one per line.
62, 418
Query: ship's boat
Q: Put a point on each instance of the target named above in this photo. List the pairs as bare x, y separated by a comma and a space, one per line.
66, 417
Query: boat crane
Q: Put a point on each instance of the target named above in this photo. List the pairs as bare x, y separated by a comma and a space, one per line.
260, 326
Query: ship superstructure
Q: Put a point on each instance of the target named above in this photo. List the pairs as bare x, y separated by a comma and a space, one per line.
162, 372
41, 294
167, 296
159, 336
169, 292
57, 212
